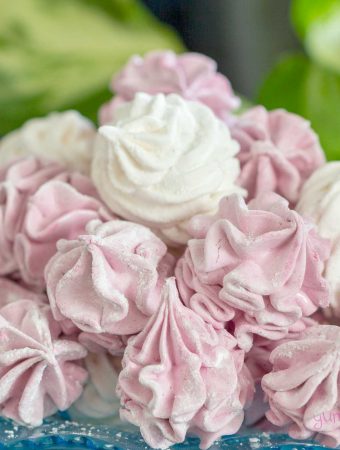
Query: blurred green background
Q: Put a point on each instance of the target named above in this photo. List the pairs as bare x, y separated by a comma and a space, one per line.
308, 82
61, 54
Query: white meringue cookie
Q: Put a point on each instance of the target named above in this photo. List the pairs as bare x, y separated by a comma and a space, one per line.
164, 160
320, 201
99, 399
65, 137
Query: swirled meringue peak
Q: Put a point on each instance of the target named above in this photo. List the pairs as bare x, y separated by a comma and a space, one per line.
164, 160
181, 376
304, 386
259, 265
108, 280
18, 181
320, 201
39, 370
59, 209
65, 137
191, 75
278, 152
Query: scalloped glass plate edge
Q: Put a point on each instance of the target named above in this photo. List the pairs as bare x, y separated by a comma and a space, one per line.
61, 434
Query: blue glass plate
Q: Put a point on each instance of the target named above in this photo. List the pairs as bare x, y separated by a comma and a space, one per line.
58, 434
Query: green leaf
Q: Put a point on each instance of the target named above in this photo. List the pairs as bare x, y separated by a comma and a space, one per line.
300, 86
284, 86
62, 54
306, 12
318, 23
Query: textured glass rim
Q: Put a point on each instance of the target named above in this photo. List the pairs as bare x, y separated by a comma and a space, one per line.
59, 433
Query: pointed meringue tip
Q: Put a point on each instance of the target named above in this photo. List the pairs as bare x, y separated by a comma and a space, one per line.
170, 292
108, 131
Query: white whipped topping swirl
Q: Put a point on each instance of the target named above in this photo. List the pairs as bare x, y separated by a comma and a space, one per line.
164, 160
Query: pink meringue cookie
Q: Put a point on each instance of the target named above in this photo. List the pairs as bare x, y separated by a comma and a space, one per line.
259, 364
304, 386
39, 370
11, 291
279, 151
257, 359
181, 376
260, 265
191, 75
108, 280
18, 181
59, 209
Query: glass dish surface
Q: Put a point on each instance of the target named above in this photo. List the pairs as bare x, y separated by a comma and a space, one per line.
60, 434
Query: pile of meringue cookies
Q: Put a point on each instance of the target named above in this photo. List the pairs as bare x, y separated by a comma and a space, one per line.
170, 261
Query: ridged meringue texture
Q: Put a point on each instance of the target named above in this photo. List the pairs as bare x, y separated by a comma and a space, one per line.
278, 152
304, 386
181, 376
320, 201
39, 370
191, 75
65, 137
59, 209
109, 279
18, 181
41, 203
259, 266
164, 160
257, 359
